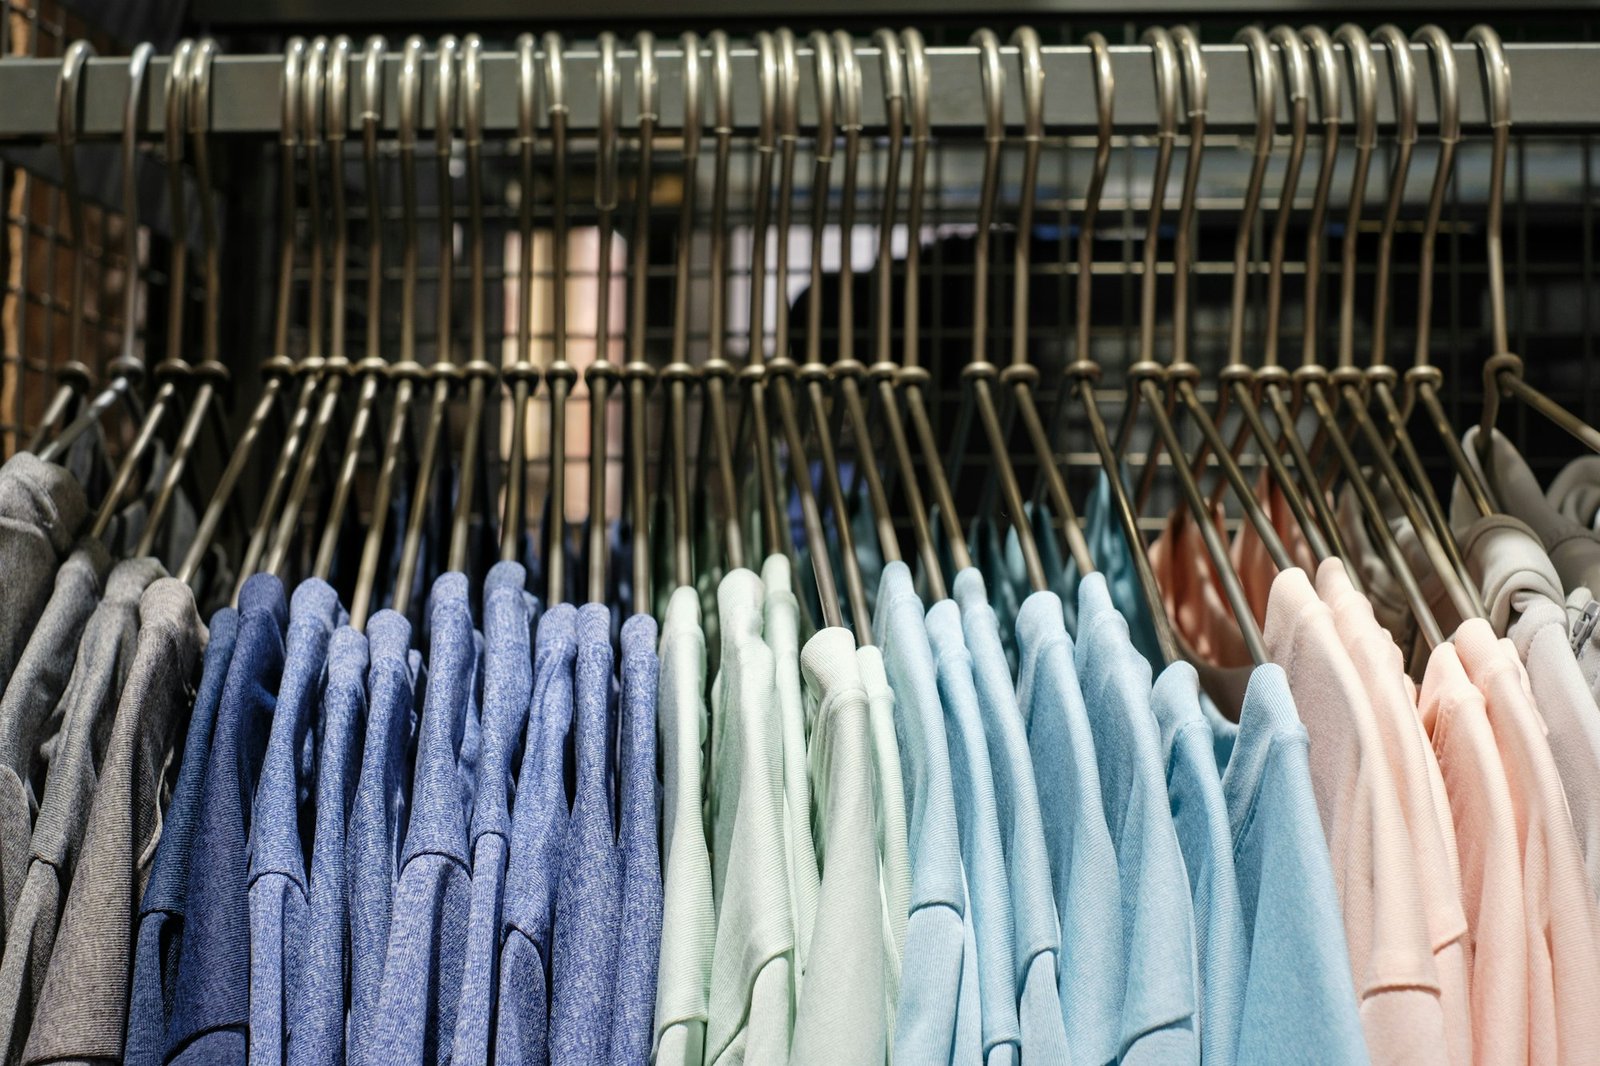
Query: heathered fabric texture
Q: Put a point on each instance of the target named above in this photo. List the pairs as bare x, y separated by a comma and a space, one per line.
1083, 861
88, 711
427, 936
689, 917
279, 907
633, 994
927, 1021
1299, 999
841, 1014
30, 709
589, 891
1160, 1019
1037, 929
538, 837
988, 893
396, 688
1200, 816
508, 618
41, 508
210, 1015
317, 1012
82, 1010
162, 911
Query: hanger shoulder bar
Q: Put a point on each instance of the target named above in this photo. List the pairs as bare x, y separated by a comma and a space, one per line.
1557, 86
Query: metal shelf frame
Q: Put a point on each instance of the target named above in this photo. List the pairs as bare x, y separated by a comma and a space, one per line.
1555, 88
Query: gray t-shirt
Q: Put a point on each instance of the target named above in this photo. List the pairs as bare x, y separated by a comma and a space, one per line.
30, 709
105, 655
82, 1008
41, 507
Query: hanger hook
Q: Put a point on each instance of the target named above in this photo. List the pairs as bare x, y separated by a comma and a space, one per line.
993, 77
1403, 79
173, 140
918, 89
69, 103
199, 105
1447, 97
1192, 64
892, 71
1104, 96
1497, 88
1324, 64
1364, 95
1165, 57
1264, 82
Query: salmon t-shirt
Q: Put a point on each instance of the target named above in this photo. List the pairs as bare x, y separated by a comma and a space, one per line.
1561, 915
1374, 858
1421, 790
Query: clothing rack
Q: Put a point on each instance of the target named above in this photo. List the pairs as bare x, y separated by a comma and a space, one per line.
1556, 87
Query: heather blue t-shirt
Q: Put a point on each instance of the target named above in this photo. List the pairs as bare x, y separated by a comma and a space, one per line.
316, 1032
508, 618
210, 1016
538, 837
396, 686
279, 904
161, 915
427, 936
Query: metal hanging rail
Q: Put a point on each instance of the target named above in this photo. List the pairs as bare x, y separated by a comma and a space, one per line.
1556, 87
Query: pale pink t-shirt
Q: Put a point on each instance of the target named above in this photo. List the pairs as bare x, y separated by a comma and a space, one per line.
1560, 911
1374, 859
1453, 713
1416, 773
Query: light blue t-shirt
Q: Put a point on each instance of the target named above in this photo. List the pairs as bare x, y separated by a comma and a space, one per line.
989, 894
1160, 1020
1194, 791
928, 1018
1299, 999
1083, 862
1037, 932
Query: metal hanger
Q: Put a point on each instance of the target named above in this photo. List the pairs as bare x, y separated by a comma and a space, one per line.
478, 371
912, 377
128, 366
372, 369
1021, 376
74, 377
1144, 376
678, 374
1180, 374
847, 371
1381, 378
174, 366
602, 373
781, 367
326, 105
211, 373
309, 369
979, 372
1274, 380
637, 372
523, 374
754, 375
560, 374
1346, 377
1423, 378
813, 373
443, 372
717, 371
1236, 378
277, 367
406, 372
1311, 375
1083, 372
1502, 371
883, 371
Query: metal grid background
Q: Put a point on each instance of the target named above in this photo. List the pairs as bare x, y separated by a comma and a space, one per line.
1550, 245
